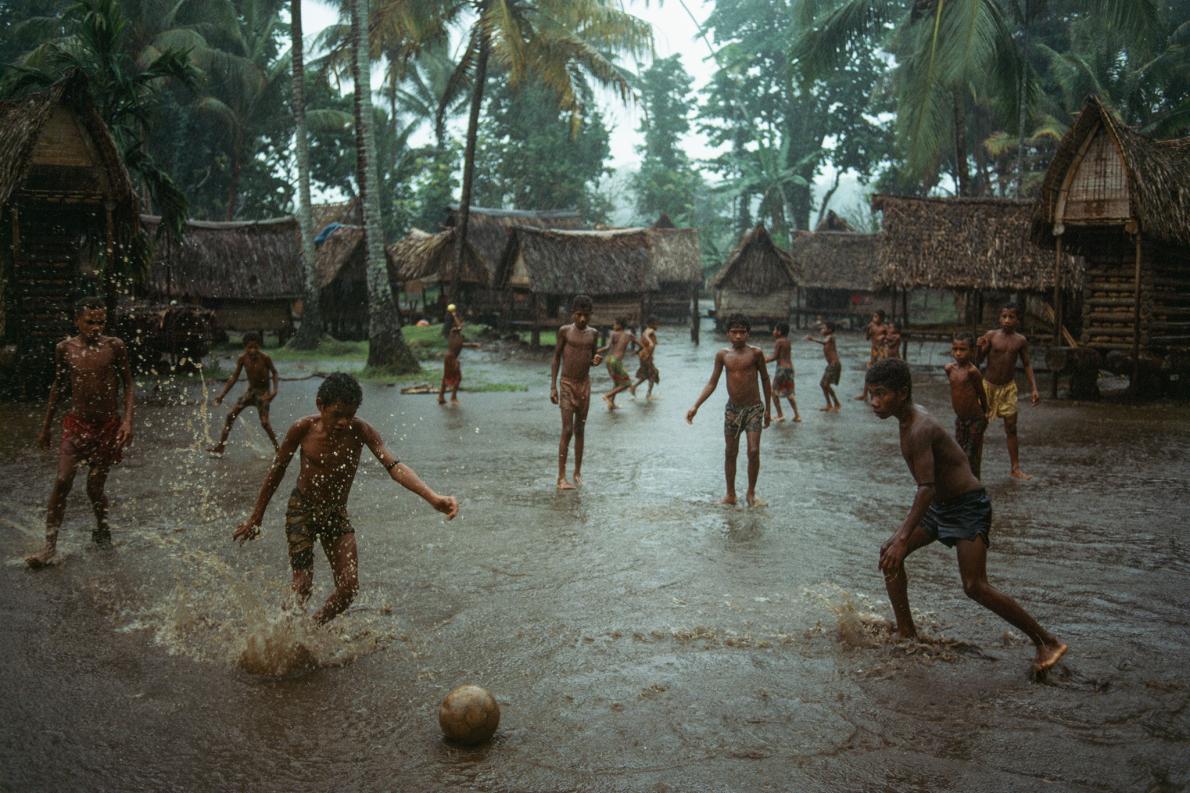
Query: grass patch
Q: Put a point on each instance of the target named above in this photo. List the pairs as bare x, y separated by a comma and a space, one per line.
549, 338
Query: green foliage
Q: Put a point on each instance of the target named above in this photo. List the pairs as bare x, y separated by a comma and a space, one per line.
666, 181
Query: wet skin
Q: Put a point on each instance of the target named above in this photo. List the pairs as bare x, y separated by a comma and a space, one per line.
1000, 349
874, 333
574, 354
783, 355
617, 347
967, 396
831, 353
648, 343
455, 342
259, 369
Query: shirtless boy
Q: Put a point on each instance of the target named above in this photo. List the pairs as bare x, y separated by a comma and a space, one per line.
892, 341
616, 348
950, 506
744, 364
968, 399
874, 332
452, 370
834, 368
647, 371
330, 442
1001, 348
259, 368
575, 355
783, 385
93, 432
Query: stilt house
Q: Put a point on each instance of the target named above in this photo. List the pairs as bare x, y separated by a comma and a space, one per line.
341, 267
420, 261
759, 280
838, 275
677, 264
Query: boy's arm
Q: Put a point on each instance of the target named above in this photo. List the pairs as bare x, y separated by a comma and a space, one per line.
557, 362
276, 378
60, 375
764, 383
231, 380
982, 345
921, 464
816, 341
708, 389
1035, 396
124, 434
272, 480
980, 393
405, 476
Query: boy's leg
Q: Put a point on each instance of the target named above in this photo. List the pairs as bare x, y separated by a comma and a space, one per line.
341, 553
977, 453
454, 393
1014, 450
564, 447
826, 393
67, 466
896, 583
973, 569
730, 451
442, 391
580, 427
268, 427
831, 395
96, 479
231, 417
793, 406
753, 466
303, 580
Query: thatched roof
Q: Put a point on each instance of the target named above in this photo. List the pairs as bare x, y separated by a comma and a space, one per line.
258, 260
346, 212
837, 260
22, 123
1157, 173
337, 251
960, 243
663, 222
431, 257
597, 263
676, 255
832, 222
488, 229
757, 266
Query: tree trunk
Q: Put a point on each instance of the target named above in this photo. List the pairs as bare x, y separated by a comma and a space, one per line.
481, 73
386, 344
1020, 100
310, 331
962, 176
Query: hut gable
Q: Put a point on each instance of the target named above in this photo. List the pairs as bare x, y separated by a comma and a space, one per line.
336, 253
837, 260
258, 260
488, 229
551, 262
832, 222
1106, 173
419, 256
960, 243
676, 255
346, 212
757, 266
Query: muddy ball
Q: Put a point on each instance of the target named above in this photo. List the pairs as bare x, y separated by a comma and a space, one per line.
469, 715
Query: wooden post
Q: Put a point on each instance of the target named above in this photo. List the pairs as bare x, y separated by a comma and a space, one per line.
1057, 309
694, 315
109, 269
1136, 319
536, 333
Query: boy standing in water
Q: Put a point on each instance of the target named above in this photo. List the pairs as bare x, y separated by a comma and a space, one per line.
647, 371
330, 442
783, 385
93, 432
259, 367
834, 368
1001, 348
950, 506
968, 399
575, 354
452, 370
617, 346
892, 341
744, 412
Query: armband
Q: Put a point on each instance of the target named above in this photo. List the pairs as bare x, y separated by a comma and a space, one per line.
392, 465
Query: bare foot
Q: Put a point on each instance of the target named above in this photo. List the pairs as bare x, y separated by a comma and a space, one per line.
1017, 473
578, 480
43, 558
564, 485
441, 400
1048, 655
611, 403
753, 501
454, 399
217, 449
797, 419
729, 499
836, 408
779, 418
826, 409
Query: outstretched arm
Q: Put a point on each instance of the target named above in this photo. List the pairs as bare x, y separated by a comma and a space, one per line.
816, 341
708, 389
60, 376
1035, 396
272, 480
558, 348
124, 435
921, 464
231, 380
406, 477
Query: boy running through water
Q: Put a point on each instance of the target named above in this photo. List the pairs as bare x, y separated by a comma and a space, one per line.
452, 370
950, 506
575, 355
647, 371
616, 347
259, 368
744, 411
330, 442
834, 368
783, 385
1001, 348
94, 431
968, 399
874, 332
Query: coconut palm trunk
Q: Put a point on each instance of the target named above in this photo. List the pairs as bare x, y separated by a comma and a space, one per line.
386, 344
481, 73
310, 331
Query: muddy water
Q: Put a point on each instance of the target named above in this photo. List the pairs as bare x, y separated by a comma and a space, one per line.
638, 636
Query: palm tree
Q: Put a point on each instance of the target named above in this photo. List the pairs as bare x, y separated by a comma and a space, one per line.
552, 41
310, 332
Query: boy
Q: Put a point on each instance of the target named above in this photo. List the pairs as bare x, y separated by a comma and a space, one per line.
330, 442
1001, 348
892, 341
834, 369
783, 385
744, 364
647, 371
259, 367
616, 347
950, 506
874, 332
968, 399
575, 354
93, 432
452, 370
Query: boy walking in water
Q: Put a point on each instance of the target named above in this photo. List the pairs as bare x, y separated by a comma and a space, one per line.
834, 368
783, 385
94, 431
330, 442
259, 368
1001, 348
575, 354
616, 347
968, 399
874, 332
892, 341
452, 370
950, 506
647, 371
744, 364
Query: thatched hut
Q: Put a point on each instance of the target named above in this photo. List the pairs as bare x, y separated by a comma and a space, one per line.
838, 275
1121, 200
348, 213
66, 205
832, 222
677, 264
341, 269
248, 272
420, 261
543, 269
759, 280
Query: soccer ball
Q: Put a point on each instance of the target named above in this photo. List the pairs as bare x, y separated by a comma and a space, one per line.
469, 715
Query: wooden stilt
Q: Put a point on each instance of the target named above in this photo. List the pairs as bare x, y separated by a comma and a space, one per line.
1057, 308
694, 315
1136, 319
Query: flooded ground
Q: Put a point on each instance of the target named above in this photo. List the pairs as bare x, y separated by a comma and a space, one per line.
638, 636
